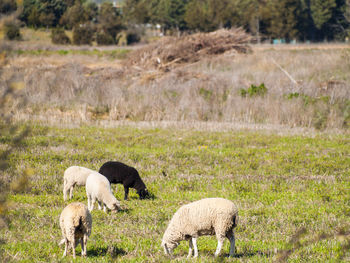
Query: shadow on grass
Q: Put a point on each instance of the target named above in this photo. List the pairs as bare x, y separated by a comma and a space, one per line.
113, 251
250, 254
150, 196
124, 211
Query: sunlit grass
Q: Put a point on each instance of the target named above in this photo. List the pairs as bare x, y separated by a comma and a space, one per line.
279, 183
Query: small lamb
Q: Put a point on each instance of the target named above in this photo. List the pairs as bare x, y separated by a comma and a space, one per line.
119, 173
75, 223
74, 175
210, 216
98, 188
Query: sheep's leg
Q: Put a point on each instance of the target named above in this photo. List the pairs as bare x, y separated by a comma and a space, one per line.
65, 192
104, 208
99, 205
73, 247
220, 243
71, 192
126, 190
93, 200
190, 248
82, 246
85, 242
65, 247
89, 202
194, 242
232, 244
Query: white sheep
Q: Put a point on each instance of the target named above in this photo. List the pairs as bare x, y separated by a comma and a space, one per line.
204, 217
74, 175
98, 188
75, 223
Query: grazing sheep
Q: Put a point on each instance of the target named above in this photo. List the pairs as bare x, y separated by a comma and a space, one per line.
75, 223
98, 188
74, 175
204, 217
119, 173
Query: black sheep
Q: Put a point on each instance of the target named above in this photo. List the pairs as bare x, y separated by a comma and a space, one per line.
119, 173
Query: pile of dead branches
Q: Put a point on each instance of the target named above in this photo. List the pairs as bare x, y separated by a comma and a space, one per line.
170, 52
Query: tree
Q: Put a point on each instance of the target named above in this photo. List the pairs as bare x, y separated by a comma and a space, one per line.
347, 10
168, 13
136, 11
7, 6
74, 15
209, 15
110, 21
281, 17
321, 11
91, 10
33, 18
42, 12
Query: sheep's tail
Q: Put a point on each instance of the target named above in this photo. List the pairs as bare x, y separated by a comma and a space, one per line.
83, 223
77, 222
235, 220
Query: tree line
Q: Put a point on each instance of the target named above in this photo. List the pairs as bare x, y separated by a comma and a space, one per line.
314, 20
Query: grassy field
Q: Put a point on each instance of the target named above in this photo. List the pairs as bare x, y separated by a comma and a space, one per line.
282, 184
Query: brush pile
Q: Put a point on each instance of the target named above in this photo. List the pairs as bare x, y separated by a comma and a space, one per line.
170, 52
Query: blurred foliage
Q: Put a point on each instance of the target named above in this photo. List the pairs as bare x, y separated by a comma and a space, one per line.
12, 30
58, 36
16, 134
286, 19
7, 6
104, 39
83, 34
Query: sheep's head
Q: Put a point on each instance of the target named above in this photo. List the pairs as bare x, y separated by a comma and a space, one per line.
115, 206
143, 193
169, 247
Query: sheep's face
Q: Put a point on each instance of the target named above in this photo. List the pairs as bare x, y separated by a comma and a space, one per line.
115, 207
169, 247
143, 193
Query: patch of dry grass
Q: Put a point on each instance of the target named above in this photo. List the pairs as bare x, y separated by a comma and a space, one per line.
306, 87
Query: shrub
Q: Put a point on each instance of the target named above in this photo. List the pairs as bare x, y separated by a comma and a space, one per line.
104, 39
12, 31
7, 6
82, 34
58, 36
253, 90
132, 37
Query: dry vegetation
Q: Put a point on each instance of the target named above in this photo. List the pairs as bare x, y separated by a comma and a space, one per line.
306, 86
170, 52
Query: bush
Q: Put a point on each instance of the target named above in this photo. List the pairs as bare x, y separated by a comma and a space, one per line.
12, 31
82, 35
104, 39
253, 90
132, 37
7, 6
58, 36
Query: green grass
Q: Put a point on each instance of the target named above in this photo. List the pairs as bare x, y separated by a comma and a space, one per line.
280, 184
